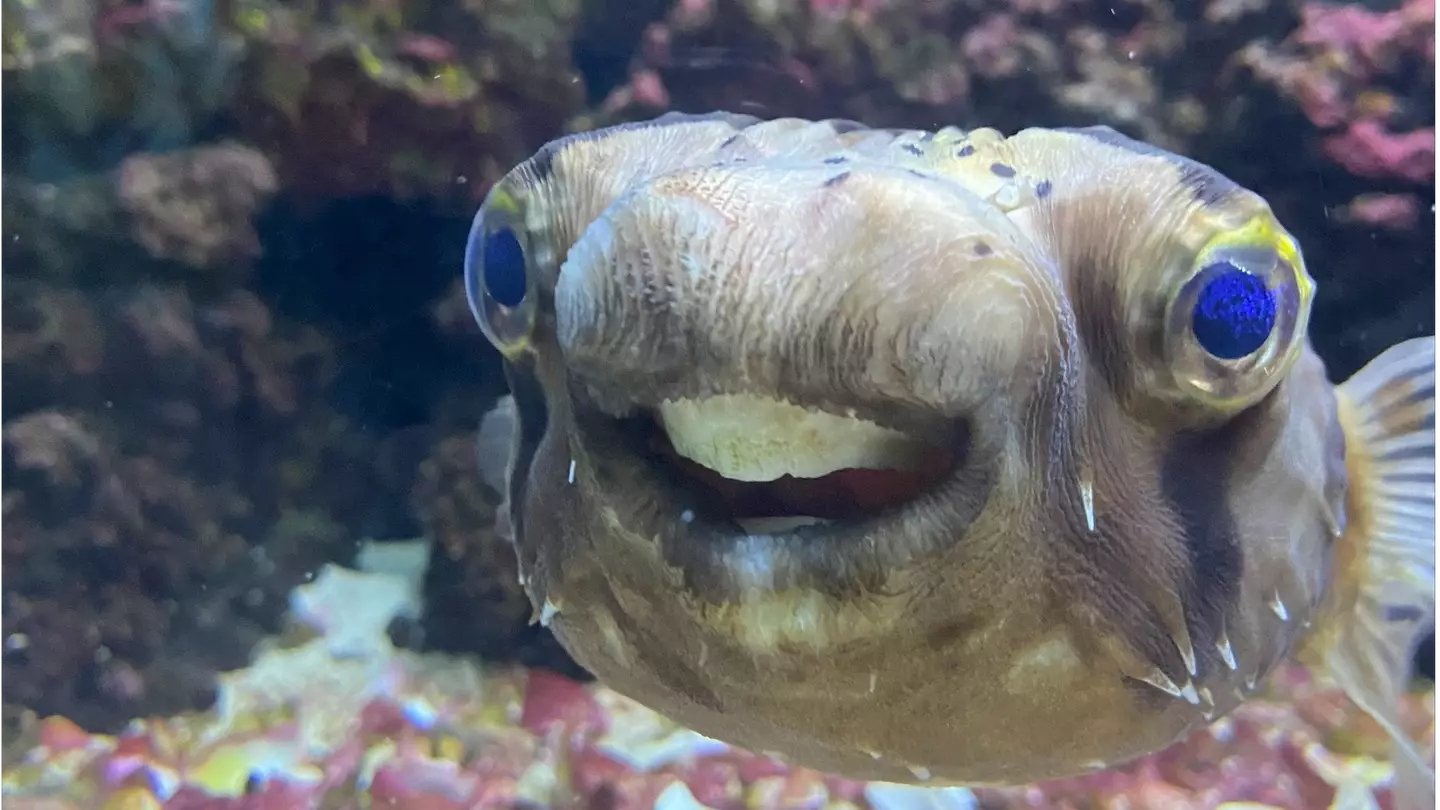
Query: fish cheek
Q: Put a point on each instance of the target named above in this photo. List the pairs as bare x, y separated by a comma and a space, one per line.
657, 659
593, 606
544, 524
533, 415
547, 516
1293, 497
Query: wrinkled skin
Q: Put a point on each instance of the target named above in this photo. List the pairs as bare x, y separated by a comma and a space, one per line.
1132, 537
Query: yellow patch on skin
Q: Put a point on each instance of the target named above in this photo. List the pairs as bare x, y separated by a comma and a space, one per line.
614, 640
1040, 666
767, 623
611, 519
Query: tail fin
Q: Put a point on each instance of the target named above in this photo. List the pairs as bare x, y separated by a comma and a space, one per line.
1388, 409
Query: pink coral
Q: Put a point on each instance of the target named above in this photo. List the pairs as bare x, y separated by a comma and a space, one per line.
1396, 212
1367, 149
1376, 38
1352, 28
1343, 66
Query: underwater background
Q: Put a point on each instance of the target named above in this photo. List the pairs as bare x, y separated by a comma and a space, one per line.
248, 556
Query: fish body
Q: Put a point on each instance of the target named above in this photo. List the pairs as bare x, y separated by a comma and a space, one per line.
941, 456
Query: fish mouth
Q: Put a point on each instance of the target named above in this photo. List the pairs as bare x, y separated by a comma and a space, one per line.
761, 465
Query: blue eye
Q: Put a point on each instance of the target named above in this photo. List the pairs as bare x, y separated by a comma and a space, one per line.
1234, 312
502, 263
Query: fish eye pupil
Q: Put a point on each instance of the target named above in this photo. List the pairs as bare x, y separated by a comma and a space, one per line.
503, 261
1234, 313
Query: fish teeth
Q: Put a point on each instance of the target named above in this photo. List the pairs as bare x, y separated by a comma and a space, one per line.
1087, 498
1227, 653
1187, 652
1161, 681
750, 438
1134, 667
1277, 606
1188, 692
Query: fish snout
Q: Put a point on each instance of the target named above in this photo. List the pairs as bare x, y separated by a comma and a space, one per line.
867, 289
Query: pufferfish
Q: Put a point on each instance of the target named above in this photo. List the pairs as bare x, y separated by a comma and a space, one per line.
941, 457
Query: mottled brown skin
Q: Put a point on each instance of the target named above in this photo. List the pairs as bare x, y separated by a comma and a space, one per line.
1005, 295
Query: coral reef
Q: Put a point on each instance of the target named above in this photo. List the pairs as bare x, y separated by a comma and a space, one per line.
143, 541
427, 98
146, 140
160, 438
196, 207
191, 212
340, 718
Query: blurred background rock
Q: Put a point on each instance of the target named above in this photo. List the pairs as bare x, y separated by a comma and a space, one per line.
235, 344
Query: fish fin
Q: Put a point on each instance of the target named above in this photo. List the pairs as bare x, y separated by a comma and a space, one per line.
495, 442
494, 451
1388, 410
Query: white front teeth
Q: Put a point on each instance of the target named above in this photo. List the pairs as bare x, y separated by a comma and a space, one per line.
750, 438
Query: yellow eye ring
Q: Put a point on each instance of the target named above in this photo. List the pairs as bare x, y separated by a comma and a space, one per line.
498, 283
1235, 326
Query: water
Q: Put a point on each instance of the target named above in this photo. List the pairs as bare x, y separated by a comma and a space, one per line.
237, 350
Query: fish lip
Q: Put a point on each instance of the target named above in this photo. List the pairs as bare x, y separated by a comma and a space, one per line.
679, 510
917, 421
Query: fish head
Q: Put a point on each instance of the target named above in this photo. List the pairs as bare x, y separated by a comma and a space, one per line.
848, 444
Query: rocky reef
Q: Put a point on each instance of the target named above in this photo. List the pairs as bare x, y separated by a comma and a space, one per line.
236, 347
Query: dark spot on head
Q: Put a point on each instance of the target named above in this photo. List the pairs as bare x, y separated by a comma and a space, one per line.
1002, 170
1208, 185
1100, 321
983, 248
913, 149
918, 173
836, 180
927, 137
730, 141
965, 151
834, 161
844, 125
1043, 189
